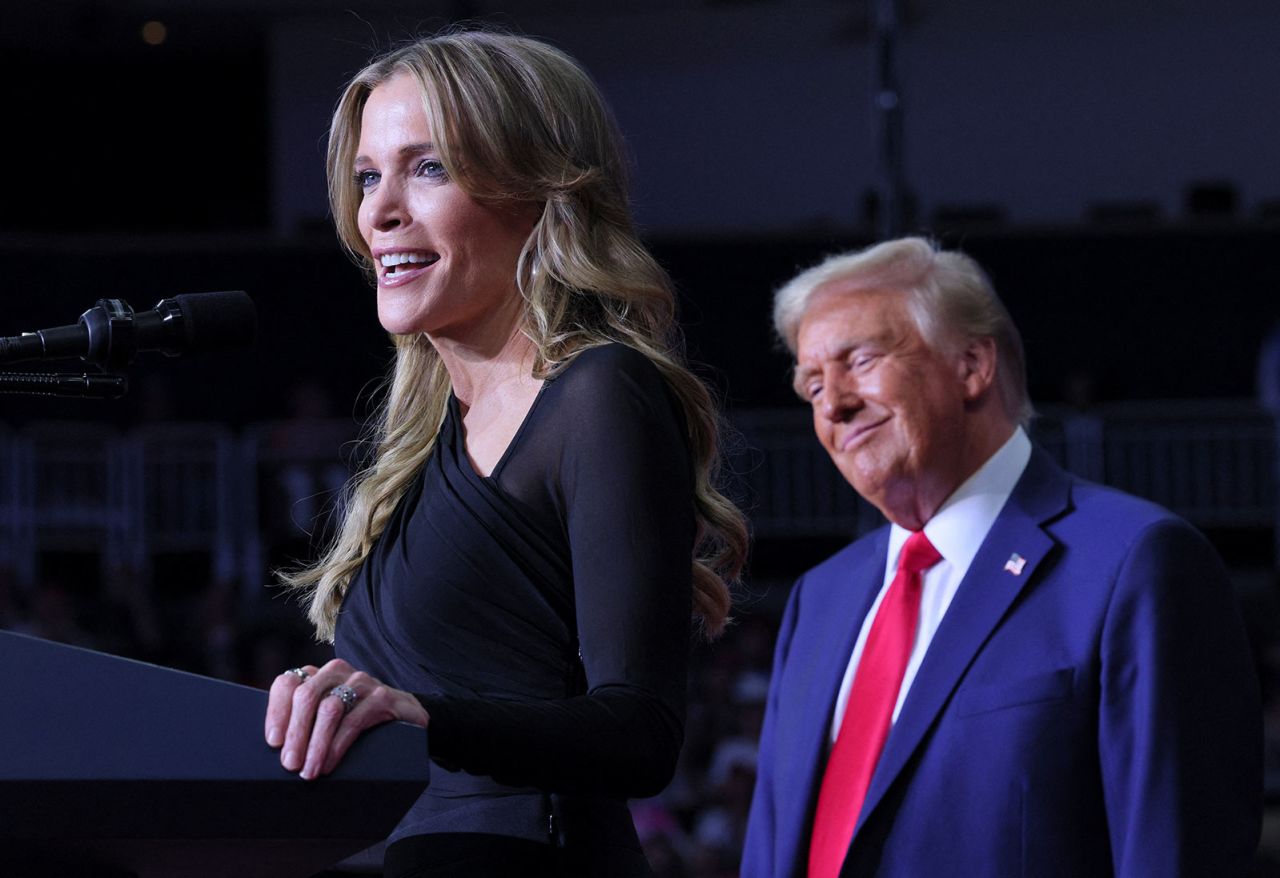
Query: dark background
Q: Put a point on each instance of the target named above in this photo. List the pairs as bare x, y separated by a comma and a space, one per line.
1127, 205
1112, 165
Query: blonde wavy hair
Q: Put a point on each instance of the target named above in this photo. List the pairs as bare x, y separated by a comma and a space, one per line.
515, 119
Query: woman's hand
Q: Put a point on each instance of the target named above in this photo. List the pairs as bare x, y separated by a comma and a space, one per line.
316, 726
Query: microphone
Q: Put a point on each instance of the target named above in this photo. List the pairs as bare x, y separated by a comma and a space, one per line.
110, 334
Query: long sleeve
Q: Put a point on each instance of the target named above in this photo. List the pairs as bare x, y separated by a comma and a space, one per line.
1180, 733
761, 853
610, 447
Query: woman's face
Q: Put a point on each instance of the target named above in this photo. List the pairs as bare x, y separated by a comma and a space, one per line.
445, 263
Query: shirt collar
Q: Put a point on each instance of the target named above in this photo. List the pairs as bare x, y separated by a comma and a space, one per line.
960, 525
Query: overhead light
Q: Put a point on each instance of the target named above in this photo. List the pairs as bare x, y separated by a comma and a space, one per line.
154, 33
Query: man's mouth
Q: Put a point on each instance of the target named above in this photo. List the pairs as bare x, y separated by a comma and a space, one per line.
857, 435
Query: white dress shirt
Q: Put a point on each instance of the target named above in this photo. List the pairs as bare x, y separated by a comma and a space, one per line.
956, 530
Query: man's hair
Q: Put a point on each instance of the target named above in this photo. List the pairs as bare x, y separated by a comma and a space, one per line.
948, 294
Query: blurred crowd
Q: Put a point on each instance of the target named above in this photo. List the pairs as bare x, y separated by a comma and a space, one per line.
179, 613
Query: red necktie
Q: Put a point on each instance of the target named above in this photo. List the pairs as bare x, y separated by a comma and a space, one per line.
869, 710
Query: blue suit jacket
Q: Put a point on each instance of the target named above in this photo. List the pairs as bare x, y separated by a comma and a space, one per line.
1097, 713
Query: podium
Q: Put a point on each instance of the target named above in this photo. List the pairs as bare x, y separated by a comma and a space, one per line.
111, 767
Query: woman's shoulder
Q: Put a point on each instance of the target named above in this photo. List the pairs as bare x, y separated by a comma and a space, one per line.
608, 367
612, 383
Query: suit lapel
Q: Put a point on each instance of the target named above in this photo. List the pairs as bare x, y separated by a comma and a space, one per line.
844, 603
981, 602
839, 597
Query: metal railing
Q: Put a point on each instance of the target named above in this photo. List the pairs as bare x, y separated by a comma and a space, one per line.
202, 487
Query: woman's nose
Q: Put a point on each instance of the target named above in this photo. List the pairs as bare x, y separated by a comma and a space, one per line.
386, 207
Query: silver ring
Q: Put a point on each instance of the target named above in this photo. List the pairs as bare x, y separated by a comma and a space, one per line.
298, 672
347, 695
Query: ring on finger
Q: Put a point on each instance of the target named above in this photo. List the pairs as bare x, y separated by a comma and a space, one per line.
347, 695
298, 672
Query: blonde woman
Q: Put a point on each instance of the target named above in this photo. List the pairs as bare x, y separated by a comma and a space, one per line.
516, 570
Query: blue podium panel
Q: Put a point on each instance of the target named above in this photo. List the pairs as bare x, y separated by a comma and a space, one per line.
116, 767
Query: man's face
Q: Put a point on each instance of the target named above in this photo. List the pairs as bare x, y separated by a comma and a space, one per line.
889, 409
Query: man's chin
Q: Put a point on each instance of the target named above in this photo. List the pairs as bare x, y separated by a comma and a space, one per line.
871, 483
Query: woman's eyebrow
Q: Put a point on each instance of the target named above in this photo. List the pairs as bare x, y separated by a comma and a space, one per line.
408, 149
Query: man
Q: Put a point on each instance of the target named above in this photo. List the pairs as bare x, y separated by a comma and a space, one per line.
1056, 681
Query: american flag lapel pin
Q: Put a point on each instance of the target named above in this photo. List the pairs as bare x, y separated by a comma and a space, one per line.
1015, 564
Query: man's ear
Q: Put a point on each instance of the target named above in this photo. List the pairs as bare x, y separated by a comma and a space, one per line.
977, 365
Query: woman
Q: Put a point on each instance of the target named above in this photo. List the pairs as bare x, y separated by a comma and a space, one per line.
514, 570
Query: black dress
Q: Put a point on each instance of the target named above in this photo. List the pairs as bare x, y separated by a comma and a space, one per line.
542, 615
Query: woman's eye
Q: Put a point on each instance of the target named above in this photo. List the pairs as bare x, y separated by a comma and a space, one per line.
365, 179
432, 168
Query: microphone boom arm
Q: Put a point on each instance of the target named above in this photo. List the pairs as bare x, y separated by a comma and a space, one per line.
86, 386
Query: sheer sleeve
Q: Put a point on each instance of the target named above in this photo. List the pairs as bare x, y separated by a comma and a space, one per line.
611, 448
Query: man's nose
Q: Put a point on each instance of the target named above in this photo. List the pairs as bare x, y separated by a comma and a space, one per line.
841, 400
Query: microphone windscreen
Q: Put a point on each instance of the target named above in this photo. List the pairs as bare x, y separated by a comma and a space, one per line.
217, 321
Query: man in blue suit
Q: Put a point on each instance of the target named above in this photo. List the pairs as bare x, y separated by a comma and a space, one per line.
1056, 682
